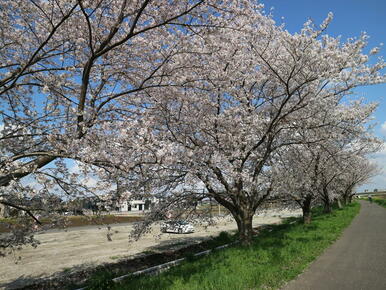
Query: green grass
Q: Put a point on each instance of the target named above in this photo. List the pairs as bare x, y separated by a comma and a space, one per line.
381, 202
101, 280
277, 255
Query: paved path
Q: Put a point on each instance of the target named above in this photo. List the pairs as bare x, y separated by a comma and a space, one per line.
356, 261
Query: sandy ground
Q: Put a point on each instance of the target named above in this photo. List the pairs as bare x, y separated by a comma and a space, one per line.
85, 247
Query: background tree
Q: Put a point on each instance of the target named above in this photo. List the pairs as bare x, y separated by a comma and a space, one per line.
317, 170
357, 172
298, 169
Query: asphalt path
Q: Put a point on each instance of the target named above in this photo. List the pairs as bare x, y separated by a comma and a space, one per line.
356, 261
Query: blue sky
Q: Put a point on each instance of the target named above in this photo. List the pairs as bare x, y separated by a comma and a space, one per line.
351, 17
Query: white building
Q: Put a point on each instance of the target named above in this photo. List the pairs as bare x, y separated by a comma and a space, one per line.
137, 205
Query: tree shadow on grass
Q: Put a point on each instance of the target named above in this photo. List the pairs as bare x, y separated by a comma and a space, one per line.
182, 273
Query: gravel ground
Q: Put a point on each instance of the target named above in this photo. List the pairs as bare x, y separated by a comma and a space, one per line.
63, 251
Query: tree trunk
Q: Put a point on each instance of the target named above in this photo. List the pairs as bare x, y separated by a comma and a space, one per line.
327, 206
243, 215
339, 203
244, 226
347, 196
326, 200
306, 208
345, 200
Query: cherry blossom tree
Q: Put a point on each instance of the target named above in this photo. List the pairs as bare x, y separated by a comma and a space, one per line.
317, 173
357, 171
298, 171
313, 170
263, 90
69, 68
336, 168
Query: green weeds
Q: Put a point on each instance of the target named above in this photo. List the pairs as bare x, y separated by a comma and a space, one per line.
381, 202
101, 280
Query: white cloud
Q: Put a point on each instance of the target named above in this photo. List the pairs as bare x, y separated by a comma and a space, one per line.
379, 181
88, 180
383, 128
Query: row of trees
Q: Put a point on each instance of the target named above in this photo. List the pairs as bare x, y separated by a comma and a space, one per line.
323, 174
182, 99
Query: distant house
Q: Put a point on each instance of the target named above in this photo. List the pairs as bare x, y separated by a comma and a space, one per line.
138, 205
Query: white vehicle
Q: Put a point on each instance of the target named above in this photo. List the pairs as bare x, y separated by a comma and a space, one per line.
179, 227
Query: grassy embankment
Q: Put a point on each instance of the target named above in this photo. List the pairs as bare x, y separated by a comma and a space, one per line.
380, 201
278, 254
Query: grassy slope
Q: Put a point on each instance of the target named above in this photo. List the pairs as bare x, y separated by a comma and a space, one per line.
381, 202
277, 255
